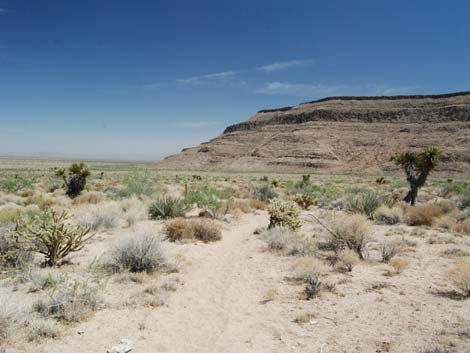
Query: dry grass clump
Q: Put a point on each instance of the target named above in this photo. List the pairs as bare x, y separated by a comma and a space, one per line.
387, 215
459, 274
9, 319
463, 227
350, 232
141, 252
445, 222
287, 241
423, 215
91, 197
257, 204
186, 229
39, 329
233, 204
347, 259
388, 249
308, 267
399, 264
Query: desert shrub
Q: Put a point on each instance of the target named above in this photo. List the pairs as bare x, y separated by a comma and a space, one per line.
10, 213
100, 216
365, 202
265, 193
178, 229
456, 188
73, 302
459, 274
423, 215
347, 259
464, 202
16, 183
284, 214
52, 235
9, 320
74, 178
312, 288
350, 232
141, 252
445, 206
167, 207
12, 254
206, 230
305, 201
388, 249
463, 227
257, 204
201, 229
399, 264
387, 215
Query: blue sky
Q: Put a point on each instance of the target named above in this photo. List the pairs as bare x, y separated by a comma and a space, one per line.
142, 79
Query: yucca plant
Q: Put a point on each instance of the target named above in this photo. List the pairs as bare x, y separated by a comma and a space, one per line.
52, 235
74, 178
167, 207
417, 166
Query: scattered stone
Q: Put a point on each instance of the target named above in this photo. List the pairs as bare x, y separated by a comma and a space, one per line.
124, 346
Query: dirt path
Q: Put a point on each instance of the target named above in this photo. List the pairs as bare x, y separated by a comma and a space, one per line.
218, 309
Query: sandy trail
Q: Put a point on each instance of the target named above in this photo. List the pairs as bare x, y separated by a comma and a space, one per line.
218, 309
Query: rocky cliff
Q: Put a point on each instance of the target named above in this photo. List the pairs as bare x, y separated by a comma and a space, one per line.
340, 135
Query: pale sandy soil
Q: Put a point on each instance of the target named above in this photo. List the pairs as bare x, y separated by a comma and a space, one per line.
219, 304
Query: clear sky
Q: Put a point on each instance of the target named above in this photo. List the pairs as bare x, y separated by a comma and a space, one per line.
142, 79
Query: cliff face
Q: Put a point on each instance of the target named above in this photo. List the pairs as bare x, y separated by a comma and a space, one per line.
339, 134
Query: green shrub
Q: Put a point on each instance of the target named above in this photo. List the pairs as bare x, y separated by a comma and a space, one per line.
167, 207
134, 185
204, 197
265, 193
464, 202
16, 183
284, 214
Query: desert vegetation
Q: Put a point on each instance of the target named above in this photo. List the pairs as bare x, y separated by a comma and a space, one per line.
81, 245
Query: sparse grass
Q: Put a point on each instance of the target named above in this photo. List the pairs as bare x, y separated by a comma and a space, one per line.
350, 232
73, 302
16, 183
100, 216
39, 329
459, 275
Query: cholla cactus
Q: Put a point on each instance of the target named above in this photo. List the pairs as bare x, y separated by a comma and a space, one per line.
284, 213
305, 201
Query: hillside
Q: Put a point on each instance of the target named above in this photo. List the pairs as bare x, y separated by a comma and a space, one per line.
340, 135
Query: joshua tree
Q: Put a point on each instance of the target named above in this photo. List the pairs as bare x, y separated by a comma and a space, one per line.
417, 166
74, 178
